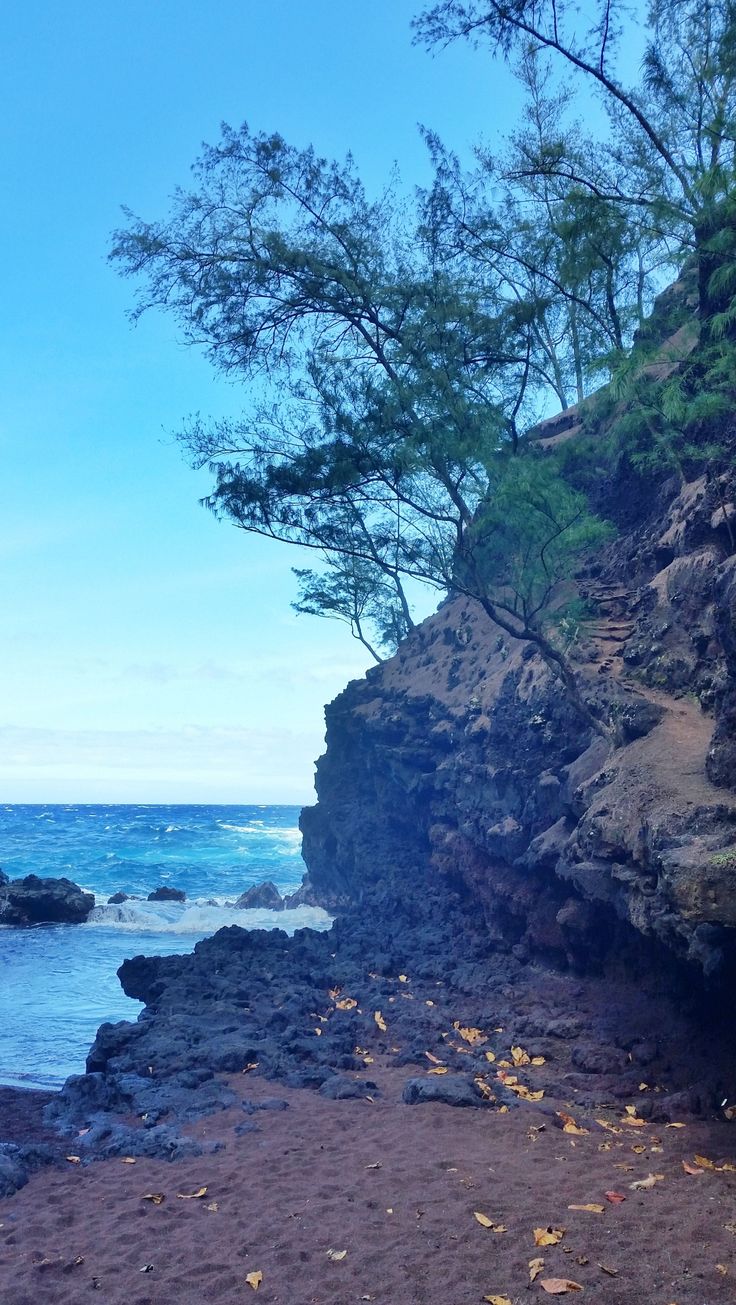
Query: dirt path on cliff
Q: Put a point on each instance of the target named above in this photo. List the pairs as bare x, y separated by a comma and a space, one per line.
376, 1201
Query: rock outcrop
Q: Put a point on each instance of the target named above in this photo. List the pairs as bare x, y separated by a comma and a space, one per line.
43, 901
263, 897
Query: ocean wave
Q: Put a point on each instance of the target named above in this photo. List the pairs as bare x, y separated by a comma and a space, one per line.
201, 918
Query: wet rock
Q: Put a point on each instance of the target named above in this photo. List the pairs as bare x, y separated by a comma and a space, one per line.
166, 894
43, 901
261, 897
117, 899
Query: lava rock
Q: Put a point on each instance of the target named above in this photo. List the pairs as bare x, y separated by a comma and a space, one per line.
165, 894
261, 897
117, 899
449, 1089
43, 901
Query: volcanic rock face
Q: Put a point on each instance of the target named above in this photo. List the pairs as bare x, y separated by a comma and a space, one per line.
462, 754
43, 901
264, 897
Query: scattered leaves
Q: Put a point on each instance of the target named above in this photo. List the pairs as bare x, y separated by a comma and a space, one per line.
254, 1280
592, 1208
192, 1196
336, 1256
490, 1056
548, 1236
380, 1021
520, 1056
346, 1003
156, 1198
535, 1268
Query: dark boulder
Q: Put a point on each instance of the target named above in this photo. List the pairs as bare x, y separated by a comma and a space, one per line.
305, 895
164, 894
261, 897
117, 899
44, 901
449, 1089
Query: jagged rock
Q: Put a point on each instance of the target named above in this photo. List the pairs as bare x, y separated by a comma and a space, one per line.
305, 895
165, 894
117, 899
43, 901
261, 897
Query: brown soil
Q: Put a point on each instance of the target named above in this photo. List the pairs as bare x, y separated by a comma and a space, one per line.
397, 1188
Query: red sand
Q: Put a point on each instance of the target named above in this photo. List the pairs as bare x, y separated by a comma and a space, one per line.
278, 1200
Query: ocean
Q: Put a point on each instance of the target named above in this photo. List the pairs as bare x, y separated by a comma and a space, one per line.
58, 982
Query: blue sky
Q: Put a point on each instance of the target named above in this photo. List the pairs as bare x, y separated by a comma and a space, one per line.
148, 652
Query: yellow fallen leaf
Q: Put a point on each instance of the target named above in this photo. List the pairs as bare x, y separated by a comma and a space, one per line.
639, 1149
610, 1128
497, 1300
490, 1056
675, 1125
252, 1064
213, 1206
632, 1122
192, 1196
503, 1110
254, 1280
572, 1127
538, 1060
484, 1089
156, 1198
403, 978
346, 1003
74, 1159
485, 1222
429, 1003
643, 1087
438, 1069
336, 1256
592, 1208
318, 1032
380, 1021
645, 1184
434, 1059
526, 1093
721, 1268
520, 1056
535, 1268
703, 1162
548, 1236
558, 1286
505, 1064
127, 1160
367, 1060
470, 1035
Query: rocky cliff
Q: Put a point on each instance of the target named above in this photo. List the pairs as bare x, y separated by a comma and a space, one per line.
460, 760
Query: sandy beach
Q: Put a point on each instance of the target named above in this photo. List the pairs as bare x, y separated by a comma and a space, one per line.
398, 1189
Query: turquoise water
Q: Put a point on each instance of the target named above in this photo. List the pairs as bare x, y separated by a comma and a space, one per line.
58, 982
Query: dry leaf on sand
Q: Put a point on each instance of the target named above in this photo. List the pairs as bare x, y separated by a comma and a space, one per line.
535, 1268
548, 1236
614, 1197
485, 1222
336, 1255
497, 1300
380, 1021
254, 1280
558, 1286
156, 1198
645, 1184
192, 1196
592, 1208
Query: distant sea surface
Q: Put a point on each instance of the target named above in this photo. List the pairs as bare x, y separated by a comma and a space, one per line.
58, 982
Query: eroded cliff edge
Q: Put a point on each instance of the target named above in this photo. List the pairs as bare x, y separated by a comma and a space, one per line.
459, 761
